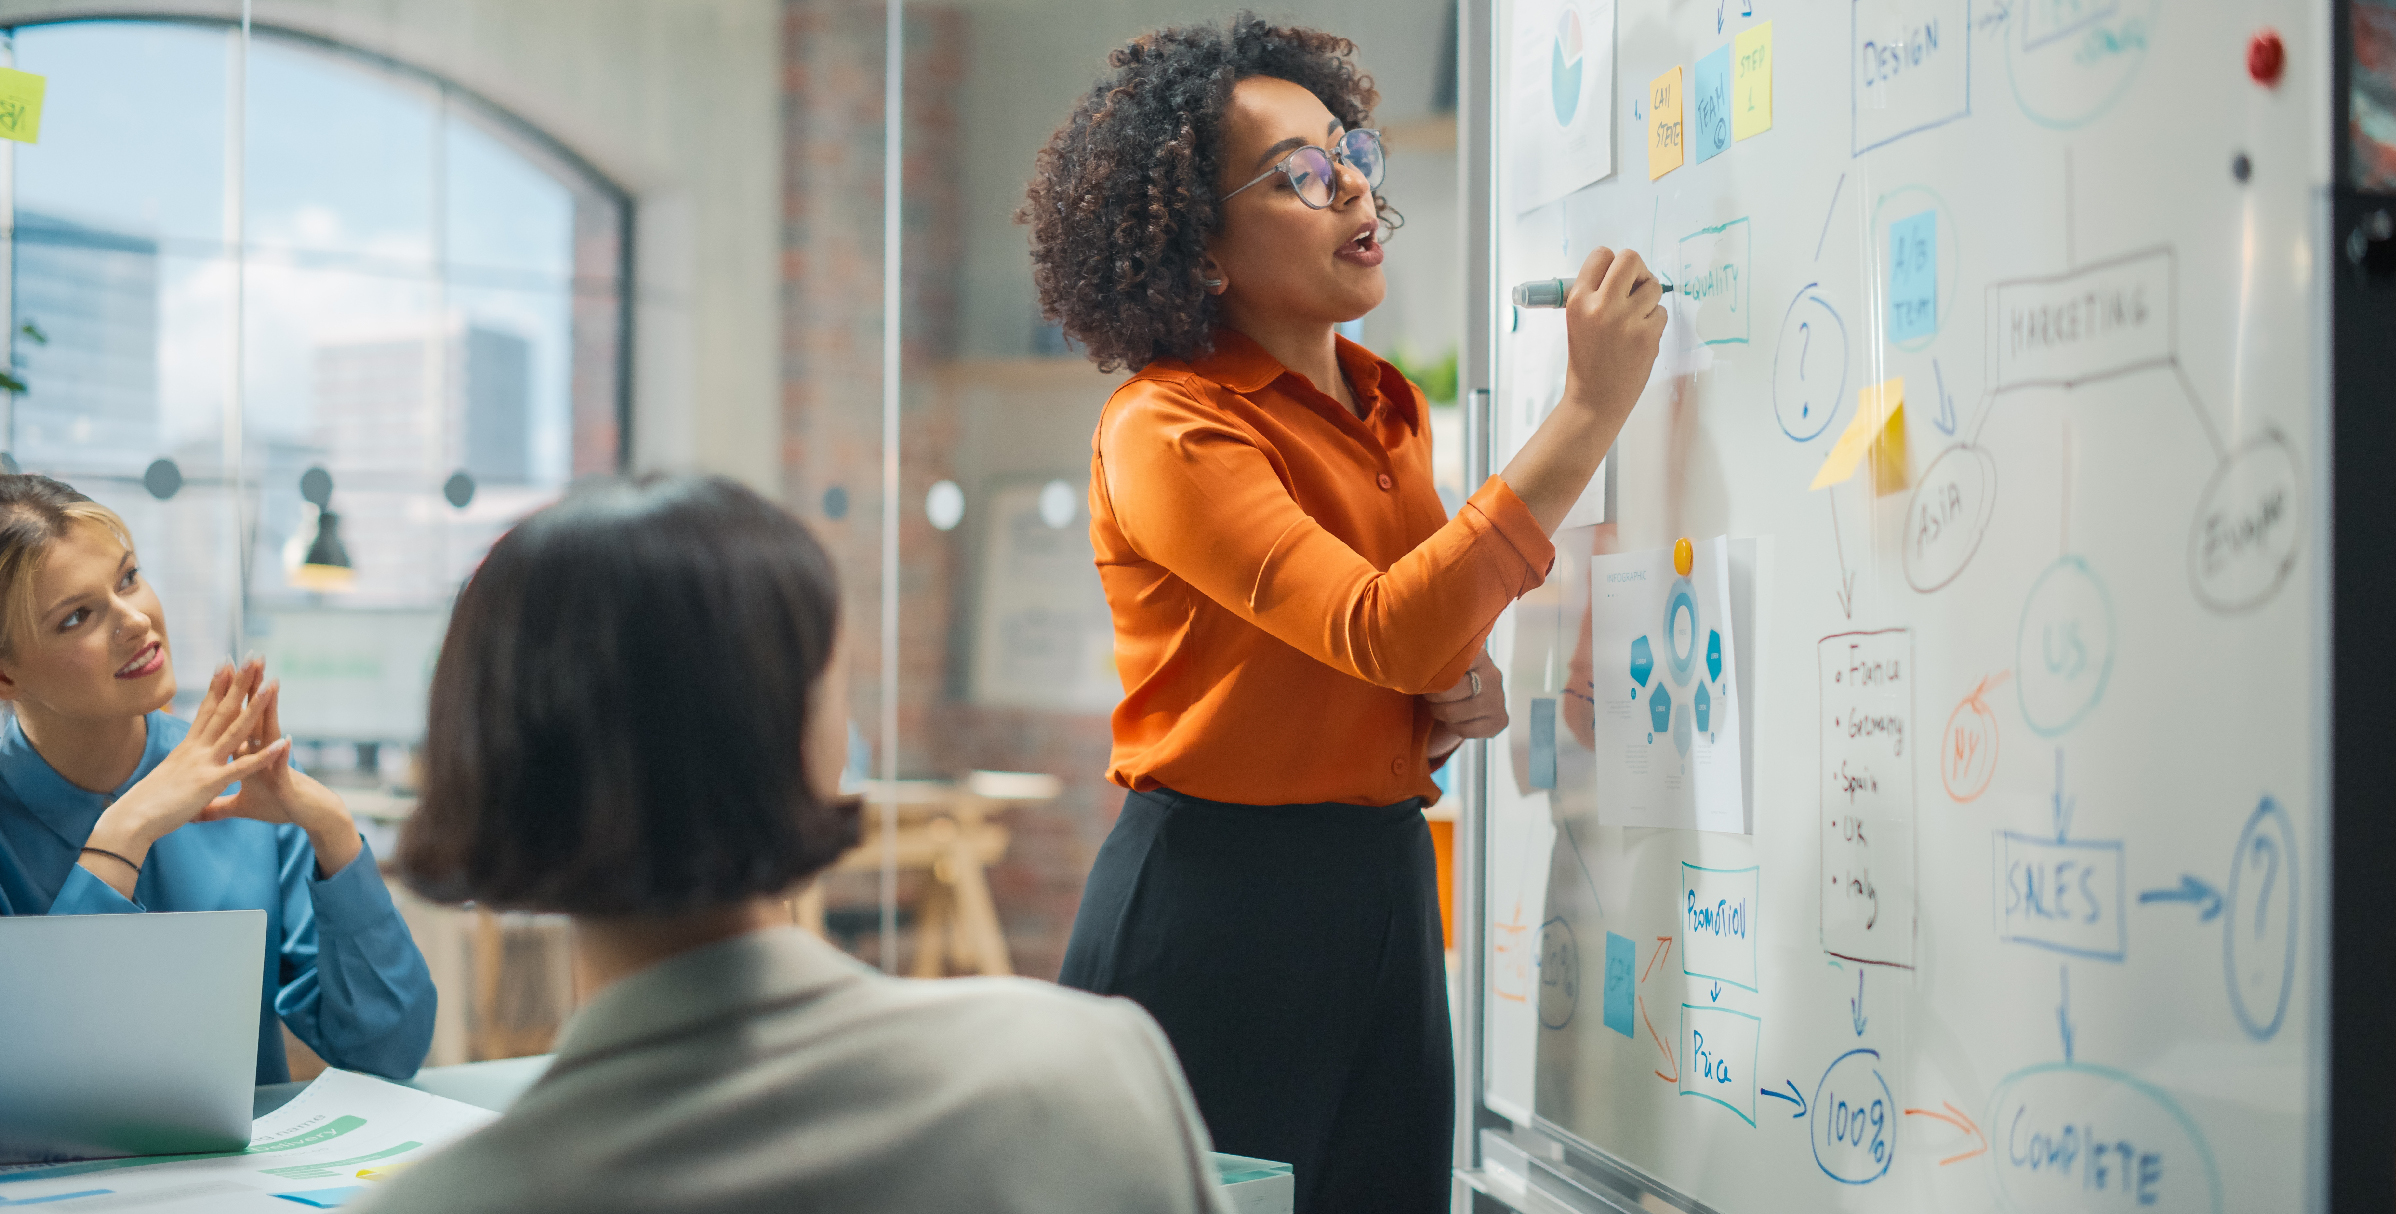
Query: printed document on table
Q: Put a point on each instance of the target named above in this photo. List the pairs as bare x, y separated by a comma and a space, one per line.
1667, 680
332, 1140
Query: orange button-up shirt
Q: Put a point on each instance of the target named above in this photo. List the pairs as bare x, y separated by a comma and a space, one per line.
1284, 581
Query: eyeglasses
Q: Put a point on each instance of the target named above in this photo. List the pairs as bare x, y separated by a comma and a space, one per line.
1314, 172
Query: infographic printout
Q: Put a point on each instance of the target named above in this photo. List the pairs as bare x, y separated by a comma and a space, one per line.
1667, 690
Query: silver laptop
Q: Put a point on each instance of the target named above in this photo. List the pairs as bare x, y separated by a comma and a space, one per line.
128, 1034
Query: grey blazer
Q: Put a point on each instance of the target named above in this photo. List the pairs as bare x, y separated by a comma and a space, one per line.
771, 1072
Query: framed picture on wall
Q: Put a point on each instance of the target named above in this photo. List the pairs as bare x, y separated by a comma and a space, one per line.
1041, 634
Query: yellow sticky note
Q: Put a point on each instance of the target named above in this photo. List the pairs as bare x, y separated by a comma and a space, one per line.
1751, 82
1878, 428
21, 105
1664, 124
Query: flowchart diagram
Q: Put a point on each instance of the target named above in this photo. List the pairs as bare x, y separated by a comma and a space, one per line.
2059, 494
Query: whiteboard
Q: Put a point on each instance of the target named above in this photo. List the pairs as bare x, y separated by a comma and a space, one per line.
2044, 936
355, 675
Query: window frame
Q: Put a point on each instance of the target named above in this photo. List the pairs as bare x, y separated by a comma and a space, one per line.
565, 158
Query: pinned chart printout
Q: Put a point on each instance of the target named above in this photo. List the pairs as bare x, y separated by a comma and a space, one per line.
1751, 82
1669, 744
1563, 98
1664, 150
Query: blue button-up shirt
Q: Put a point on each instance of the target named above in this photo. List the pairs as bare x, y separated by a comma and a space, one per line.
341, 968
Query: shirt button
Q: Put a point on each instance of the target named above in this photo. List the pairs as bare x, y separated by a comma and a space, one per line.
1384, 480
1397, 767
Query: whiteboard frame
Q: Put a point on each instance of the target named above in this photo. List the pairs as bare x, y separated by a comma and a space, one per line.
2357, 960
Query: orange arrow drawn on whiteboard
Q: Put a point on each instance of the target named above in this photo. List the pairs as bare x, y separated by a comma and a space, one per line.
1675, 1076
1954, 1117
1664, 945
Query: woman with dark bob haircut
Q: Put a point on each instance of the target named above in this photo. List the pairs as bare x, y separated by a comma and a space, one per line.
1298, 623
637, 719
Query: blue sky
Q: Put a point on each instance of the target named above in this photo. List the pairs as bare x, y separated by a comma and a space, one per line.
342, 164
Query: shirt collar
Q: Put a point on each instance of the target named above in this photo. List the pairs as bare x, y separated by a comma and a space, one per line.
678, 995
1243, 366
1372, 375
62, 806
1238, 363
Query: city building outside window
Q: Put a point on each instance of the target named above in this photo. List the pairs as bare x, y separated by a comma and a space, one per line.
372, 276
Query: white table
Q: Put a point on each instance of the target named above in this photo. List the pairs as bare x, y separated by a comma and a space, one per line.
1256, 1186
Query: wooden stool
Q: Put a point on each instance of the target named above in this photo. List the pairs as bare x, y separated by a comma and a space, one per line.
524, 983
944, 830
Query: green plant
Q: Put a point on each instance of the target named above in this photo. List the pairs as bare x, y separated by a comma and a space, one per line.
1437, 378
10, 381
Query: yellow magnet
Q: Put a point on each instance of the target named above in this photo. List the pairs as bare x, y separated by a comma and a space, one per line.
1684, 556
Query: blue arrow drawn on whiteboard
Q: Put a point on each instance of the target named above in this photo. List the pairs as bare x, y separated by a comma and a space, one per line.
2063, 1013
2206, 898
1855, 1006
1716, 997
1794, 1097
1945, 421
2063, 804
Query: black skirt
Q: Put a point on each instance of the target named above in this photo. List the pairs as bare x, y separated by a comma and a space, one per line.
1292, 954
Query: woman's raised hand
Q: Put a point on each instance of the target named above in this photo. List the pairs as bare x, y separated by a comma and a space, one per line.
278, 793
210, 758
1614, 321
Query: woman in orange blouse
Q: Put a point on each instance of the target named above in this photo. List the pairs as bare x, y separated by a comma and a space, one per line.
1298, 624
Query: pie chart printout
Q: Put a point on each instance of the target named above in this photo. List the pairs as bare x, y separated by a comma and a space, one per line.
1564, 76
1560, 101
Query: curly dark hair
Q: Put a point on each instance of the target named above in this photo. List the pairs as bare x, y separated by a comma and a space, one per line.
1124, 197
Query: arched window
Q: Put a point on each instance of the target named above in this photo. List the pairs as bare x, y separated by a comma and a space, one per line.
237, 260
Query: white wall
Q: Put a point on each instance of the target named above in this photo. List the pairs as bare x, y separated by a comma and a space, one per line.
1423, 314
677, 102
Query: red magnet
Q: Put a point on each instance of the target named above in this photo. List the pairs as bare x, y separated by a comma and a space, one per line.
2266, 57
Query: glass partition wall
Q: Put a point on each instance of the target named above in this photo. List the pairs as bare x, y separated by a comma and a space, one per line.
1003, 647
324, 304
319, 324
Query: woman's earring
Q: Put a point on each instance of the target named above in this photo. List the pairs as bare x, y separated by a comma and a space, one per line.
1214, 284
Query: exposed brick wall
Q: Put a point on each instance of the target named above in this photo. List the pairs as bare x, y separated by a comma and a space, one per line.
832, 329
832, 419
1039, 884
598, 250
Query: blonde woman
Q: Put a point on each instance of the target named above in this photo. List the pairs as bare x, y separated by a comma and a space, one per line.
110, 806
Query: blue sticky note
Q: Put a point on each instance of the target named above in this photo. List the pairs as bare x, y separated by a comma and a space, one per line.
1622, 982
1913, 277
324, 1199
1543, 742
1709, 107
